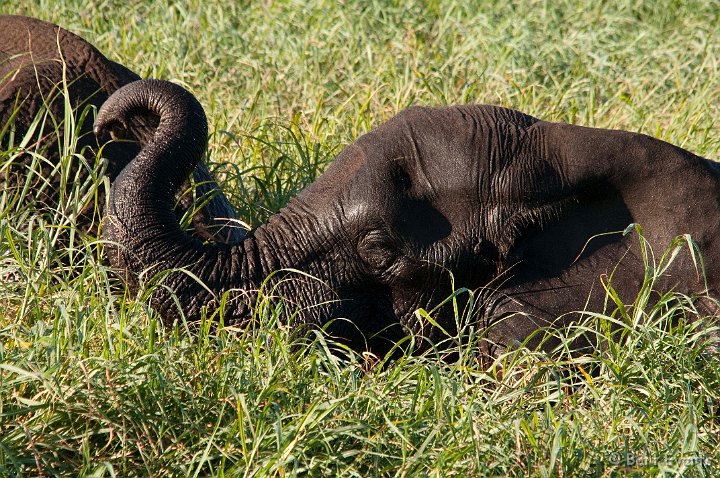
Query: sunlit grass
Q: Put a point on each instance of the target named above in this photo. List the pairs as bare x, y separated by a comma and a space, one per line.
92, 383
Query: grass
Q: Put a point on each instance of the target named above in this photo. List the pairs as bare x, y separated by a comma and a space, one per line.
92, 384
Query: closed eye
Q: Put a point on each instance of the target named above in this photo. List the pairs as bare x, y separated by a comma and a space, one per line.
376, 249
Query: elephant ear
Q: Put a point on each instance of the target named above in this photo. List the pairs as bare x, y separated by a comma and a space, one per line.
567, 231
559, 257
601, 181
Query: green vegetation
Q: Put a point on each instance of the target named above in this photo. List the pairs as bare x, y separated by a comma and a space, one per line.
92, 384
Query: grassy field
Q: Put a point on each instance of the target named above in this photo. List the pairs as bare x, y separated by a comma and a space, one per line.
92, 384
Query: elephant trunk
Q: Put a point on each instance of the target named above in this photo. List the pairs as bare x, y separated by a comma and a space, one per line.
141, 227
180, 138
156, 109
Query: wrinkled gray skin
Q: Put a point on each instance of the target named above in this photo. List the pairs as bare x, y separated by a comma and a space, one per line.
505, 201
35, 56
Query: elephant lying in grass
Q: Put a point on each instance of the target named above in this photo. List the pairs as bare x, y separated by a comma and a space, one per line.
48, 79
528, 213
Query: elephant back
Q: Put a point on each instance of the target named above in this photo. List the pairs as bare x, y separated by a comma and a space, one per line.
44, 69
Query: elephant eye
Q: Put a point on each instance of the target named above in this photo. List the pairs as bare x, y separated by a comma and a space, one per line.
377, 250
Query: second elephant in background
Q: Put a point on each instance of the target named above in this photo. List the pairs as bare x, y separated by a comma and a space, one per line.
43, 70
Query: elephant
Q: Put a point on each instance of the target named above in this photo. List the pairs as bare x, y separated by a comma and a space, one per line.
41, 67
528, 213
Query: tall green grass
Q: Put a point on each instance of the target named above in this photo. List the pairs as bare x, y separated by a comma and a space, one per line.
92, 384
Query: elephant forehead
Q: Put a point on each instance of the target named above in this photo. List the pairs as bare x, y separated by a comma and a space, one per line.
437, 165
336, 180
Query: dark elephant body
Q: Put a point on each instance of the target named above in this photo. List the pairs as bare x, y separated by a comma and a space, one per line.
527, 213
43, 67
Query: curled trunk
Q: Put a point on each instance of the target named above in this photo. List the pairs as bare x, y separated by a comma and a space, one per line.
143, 231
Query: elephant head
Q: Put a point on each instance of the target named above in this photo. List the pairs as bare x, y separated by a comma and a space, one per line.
43, 66
487, 197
